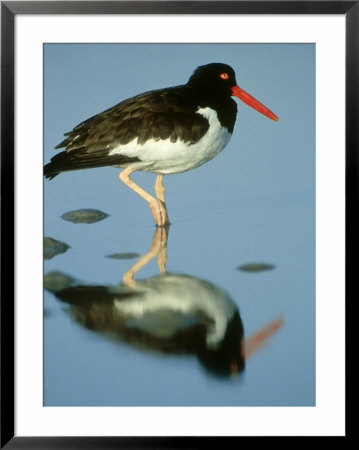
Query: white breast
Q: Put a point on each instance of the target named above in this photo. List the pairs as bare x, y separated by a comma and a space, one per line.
163, 156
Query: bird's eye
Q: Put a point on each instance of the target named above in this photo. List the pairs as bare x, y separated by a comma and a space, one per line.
224, 76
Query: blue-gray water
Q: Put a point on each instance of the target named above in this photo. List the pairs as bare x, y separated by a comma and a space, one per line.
254, 203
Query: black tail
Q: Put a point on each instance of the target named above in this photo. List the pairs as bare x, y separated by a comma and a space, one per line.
67, 161
57, 165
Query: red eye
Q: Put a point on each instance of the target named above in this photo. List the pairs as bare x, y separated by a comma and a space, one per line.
224, 76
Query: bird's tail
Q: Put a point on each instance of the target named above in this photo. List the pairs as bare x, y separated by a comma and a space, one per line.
55, 166
67, 161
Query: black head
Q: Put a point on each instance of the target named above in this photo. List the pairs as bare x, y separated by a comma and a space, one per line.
217, 82
214, 78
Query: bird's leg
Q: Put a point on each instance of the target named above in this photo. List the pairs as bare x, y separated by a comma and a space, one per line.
160, 243
159, 188
128, 277
160, 193
158, 248
157, 207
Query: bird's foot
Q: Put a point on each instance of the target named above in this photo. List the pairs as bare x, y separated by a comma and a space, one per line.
159, 212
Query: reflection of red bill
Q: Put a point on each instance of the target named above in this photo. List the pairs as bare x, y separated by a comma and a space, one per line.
260, 338
234, 368
251, 101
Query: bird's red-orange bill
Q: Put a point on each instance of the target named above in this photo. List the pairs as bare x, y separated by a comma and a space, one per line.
251, 101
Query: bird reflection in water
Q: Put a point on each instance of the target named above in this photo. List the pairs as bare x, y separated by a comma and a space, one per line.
168, 313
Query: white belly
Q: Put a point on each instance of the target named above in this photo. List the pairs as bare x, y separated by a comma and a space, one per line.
163, 156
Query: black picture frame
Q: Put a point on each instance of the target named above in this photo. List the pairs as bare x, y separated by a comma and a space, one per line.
9, 9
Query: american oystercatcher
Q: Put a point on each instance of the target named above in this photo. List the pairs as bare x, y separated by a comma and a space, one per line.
164, 131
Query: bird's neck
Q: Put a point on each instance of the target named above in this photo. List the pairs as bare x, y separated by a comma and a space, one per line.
226, 109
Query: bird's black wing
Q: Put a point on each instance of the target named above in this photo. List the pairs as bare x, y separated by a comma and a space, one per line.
164, 114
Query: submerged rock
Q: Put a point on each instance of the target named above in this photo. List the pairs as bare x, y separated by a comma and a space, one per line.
256, 267
57, 281
84, 216
52, 247
123, 255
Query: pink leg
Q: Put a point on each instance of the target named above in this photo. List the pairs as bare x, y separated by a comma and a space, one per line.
158, 207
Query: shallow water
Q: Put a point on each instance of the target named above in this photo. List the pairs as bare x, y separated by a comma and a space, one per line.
89, 365
252, 206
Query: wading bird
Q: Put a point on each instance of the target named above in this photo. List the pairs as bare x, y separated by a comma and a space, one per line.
165, 131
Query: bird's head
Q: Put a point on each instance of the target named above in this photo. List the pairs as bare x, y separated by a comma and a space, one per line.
219, 80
